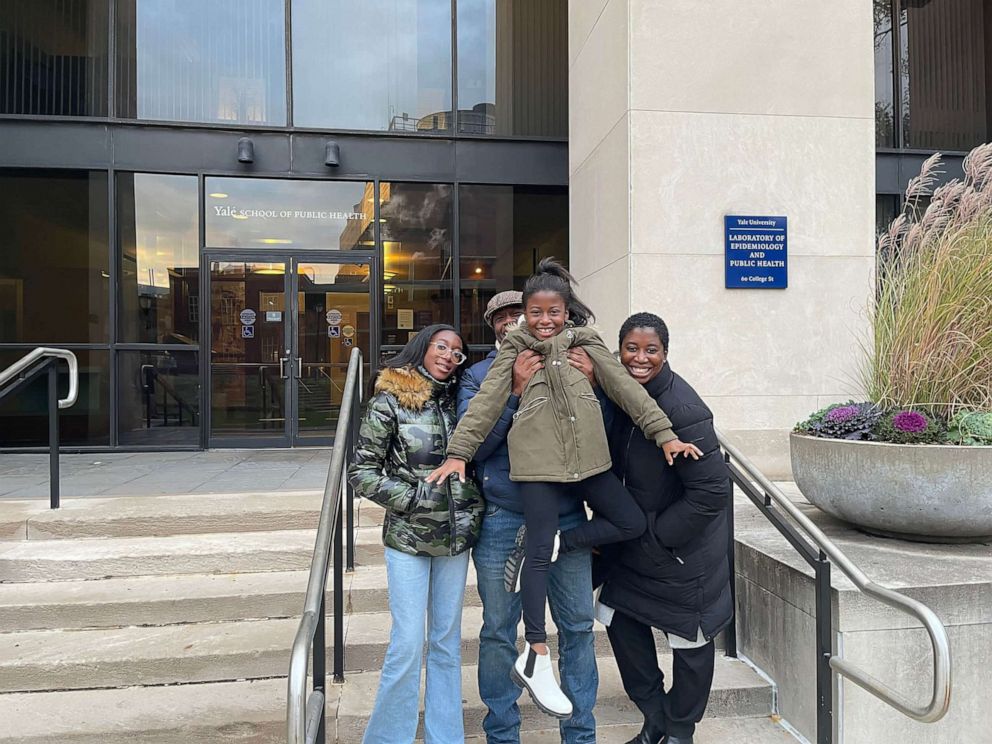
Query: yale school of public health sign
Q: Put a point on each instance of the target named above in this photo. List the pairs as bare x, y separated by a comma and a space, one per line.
757, 253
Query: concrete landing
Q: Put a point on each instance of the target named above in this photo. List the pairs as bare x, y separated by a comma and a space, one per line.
776, 622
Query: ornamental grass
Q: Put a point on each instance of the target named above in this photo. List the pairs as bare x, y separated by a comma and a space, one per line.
931, 347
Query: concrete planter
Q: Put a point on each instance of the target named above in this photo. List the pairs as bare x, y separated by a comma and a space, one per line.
931, 493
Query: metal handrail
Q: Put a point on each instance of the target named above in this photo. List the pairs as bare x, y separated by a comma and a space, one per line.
30, 366
940, 699
305, 714
28, 360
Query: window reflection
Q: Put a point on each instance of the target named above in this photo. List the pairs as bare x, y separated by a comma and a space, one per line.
416, 229
944, 49
884, 99
54, 57
159, 233
505, 231
374, 65
54, 273
266, 212
513, 67
188, 60
159, 397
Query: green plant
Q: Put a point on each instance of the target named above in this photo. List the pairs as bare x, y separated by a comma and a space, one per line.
806, 426
843, 421
909, 426
972, 428
932, 315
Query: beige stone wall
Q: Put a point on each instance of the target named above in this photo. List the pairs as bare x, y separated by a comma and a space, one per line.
682, 112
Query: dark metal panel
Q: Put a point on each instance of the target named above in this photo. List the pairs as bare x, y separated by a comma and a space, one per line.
389, 158
189, 150
523, 163
887, 175
894, 169
61, 145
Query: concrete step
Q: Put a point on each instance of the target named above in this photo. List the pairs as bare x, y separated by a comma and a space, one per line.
201, 652
185, 598
237, 552
246, 711
136, 516
763, 730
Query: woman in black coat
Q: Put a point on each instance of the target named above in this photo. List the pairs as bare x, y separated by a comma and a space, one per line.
676, 576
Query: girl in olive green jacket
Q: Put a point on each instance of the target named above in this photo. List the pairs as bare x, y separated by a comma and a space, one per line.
557, 443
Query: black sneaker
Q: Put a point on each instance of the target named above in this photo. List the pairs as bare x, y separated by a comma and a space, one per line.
515, 562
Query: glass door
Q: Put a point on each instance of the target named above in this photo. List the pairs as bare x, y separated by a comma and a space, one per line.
333, 316
282, 328
250, 352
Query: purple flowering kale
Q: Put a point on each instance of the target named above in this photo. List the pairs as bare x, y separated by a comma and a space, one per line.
850, 421
843, 413
908, 426
911, 422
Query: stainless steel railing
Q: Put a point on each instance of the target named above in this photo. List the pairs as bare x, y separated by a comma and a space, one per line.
27, 361
940, 698
305, 714
29, 367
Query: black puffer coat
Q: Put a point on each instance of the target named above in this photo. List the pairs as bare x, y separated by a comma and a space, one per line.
676, 576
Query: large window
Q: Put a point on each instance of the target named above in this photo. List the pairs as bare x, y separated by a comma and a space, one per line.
189, 60
53, 57
416, 225
54, 272
159, 397
505, 231
372, 65
513, 67
24, 415
935, 91
157, 220
274, 213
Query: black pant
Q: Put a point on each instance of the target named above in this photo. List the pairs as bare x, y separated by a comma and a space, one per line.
617, 517
679, 710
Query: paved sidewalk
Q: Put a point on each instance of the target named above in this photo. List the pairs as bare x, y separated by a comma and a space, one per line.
25, 476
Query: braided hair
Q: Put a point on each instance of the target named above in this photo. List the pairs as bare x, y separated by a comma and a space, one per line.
646, 320
551, 276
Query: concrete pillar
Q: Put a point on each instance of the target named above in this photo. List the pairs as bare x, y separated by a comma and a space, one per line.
682, 112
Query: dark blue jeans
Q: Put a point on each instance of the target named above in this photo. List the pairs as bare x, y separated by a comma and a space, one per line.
570, 599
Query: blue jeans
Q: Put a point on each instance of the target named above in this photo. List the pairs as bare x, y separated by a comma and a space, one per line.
570, 599
432, 589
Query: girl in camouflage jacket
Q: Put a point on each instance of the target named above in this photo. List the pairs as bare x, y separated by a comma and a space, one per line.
427, 531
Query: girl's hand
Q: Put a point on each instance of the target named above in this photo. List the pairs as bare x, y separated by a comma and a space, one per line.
449, 466
677, 447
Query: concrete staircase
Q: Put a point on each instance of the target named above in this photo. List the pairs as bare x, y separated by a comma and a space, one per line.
168, 620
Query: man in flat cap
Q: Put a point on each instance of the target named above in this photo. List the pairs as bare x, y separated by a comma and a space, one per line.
570, 581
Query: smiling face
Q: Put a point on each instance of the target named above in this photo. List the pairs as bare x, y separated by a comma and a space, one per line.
546, 314
642, 354
440, 364
504, 319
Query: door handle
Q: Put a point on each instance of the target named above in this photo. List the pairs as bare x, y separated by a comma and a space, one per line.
282, 368
299, 368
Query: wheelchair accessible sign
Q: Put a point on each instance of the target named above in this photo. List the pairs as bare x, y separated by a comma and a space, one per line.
757, 252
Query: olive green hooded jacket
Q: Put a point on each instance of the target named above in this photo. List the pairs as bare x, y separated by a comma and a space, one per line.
557, 434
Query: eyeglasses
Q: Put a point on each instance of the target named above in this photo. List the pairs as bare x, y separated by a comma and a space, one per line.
456, 355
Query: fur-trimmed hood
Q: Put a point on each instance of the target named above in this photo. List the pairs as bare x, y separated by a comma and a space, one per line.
411, 387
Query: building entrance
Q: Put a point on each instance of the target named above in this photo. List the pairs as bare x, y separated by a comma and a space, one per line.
282, 327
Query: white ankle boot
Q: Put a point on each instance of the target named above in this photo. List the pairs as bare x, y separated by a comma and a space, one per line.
534, 673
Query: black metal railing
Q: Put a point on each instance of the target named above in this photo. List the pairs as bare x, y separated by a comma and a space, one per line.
32, 365
305, 714
151, 379
819, 551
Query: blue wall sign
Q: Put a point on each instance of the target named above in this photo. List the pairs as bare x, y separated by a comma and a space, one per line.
757, 253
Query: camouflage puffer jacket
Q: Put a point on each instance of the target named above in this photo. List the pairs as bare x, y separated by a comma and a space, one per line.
403, 437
